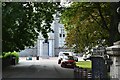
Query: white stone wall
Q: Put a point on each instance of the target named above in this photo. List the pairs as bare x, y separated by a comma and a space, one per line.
59, 41
45, 53
40, 47
28, 52
115, 68
61, 36
51, 47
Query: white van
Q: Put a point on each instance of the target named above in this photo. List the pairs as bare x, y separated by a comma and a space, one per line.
62, 54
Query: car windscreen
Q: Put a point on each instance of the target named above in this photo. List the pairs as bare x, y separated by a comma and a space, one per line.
66, 54
70, 58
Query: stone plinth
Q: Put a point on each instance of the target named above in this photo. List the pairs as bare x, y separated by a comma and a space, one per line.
114, 53
98, 68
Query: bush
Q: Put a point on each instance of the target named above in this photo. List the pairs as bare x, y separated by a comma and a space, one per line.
16, 55
6, 54
9, 55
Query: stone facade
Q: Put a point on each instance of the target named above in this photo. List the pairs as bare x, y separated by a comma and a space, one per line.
28, 52
56, 40
55, 43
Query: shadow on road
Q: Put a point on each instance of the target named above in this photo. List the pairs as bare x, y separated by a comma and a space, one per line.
43, 68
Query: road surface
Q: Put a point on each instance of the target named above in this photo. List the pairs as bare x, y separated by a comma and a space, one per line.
42, 68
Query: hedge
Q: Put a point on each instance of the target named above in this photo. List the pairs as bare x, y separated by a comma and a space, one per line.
15, 54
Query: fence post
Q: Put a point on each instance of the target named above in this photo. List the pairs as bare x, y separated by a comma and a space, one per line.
89, 75
76, 72
80, 72
85, 73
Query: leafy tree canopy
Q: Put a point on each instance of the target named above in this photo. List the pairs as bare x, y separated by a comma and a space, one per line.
88, 23
21, 20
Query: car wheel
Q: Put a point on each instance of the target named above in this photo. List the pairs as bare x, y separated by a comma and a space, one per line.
59, 61
84, 59
77, 60
62, 65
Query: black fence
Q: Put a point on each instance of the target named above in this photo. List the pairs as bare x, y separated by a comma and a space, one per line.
81, 73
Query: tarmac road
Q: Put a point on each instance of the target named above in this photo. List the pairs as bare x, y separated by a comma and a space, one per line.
42, 68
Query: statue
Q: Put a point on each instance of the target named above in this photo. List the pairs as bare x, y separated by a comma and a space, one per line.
118, 11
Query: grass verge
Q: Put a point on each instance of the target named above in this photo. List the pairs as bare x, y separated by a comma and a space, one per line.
84, 64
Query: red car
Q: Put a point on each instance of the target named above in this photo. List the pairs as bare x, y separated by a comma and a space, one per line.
68, 61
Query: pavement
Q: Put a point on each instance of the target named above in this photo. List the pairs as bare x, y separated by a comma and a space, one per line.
42, 68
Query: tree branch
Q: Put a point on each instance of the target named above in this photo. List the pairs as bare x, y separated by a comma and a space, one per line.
95, 19
102, 17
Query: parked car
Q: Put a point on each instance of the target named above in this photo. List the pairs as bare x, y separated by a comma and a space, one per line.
68, 61
62, 54
29, 58
86, 56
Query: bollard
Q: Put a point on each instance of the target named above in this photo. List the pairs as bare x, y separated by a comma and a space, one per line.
80, 72
76, 72
37, 58
85, 73
89, 75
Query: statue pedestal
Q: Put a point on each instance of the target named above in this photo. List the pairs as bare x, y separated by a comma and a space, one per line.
114, 53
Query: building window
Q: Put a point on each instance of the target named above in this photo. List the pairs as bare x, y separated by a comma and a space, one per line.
63, 35
60, 35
